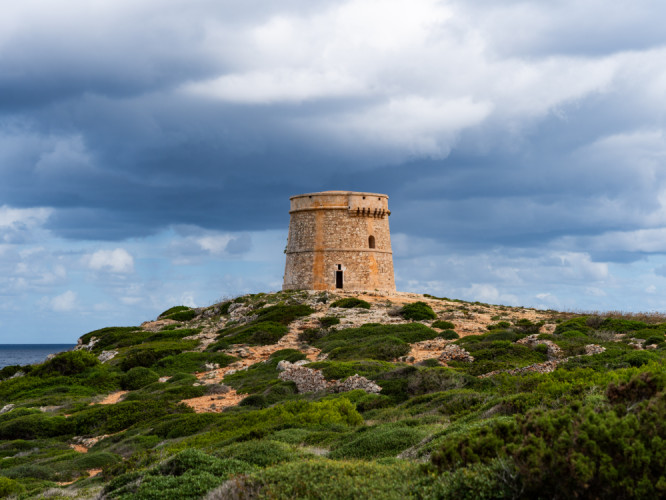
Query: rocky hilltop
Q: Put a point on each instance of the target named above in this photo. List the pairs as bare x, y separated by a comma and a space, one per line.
350, 395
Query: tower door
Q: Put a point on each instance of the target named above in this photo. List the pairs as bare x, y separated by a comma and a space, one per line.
338, 277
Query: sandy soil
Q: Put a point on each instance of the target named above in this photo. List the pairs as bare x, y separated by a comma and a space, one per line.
79, 447
112, 398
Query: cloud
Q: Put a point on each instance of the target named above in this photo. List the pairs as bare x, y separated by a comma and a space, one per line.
65, 302
115, 261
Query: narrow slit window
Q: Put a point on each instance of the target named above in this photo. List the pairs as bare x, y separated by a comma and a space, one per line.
371, 242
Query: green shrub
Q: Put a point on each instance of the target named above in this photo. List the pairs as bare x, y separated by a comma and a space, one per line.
193, 459
310, 335
527, 327
500, 325
576, 324
443, 325
283, 314
173, 310
373, 341
417, 311
140, 357
584, 449
331, 480
379, 441
100, 419
255, 401
66, 363
350, 303
183, 315
187, 424
138, 377
261, 333
35, 426
190, 362
262, 453
654, 340
9, 371
328, 321
449, 335
113, 336
10, 487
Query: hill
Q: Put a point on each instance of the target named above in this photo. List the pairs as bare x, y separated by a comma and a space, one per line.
318, 395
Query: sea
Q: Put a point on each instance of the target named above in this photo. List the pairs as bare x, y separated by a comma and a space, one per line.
28, 354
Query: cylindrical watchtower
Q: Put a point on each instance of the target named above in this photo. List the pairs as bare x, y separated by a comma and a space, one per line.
339, 240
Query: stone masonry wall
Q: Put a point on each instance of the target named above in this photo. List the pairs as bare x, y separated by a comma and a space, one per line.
334, 228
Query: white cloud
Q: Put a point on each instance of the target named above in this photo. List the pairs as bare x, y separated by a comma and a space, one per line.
64, 302
116, 261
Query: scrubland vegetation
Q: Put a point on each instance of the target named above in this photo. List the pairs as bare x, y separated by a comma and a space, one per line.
594, 427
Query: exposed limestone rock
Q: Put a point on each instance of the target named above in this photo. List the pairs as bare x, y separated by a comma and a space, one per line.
637, 344
86, 347
591, 349
284, 365
17, 375
357, 382
239, 352
453, 352
241, 313
310, 380
545, 367
105, 356
553, 352
306, 379
7, 408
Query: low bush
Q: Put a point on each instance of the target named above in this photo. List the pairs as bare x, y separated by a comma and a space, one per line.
333, 480
262, 453
188, 475
527, 327
66, 363
417, 311
373, 341
101, 419
261, 333
350, 303
310, 335
183, 315
443, 325
138, 377
328, 321
190, 362
449, 335
578, 450
9, 487
173, 310
282, 313
378, 441
119, 336
36, 426
500, 325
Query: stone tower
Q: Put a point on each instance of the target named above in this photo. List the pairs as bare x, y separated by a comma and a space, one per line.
339, 240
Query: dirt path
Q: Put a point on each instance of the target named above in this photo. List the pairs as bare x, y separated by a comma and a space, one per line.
111, 399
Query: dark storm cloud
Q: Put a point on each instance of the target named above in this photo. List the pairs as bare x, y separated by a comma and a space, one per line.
211, 114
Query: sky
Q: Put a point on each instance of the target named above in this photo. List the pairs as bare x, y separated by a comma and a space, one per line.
148, 149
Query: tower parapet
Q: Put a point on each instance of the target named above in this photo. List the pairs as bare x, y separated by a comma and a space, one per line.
339, 240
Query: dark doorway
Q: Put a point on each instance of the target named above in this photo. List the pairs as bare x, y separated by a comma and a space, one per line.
371, 242
338, 277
